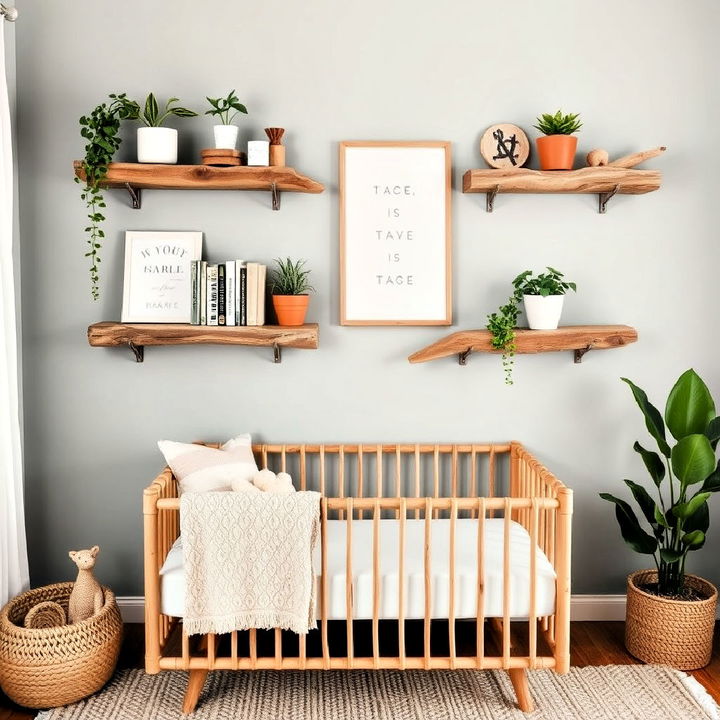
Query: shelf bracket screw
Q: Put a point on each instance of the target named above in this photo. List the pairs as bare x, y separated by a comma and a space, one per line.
604, 197
138, 351
135, 196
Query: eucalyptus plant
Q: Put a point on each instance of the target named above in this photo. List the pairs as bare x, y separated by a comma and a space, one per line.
151, 115
558, 124
684, 475
290, 278
223, 108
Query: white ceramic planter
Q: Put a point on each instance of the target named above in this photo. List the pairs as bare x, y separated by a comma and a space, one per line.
157, 145
225, 136
543, 313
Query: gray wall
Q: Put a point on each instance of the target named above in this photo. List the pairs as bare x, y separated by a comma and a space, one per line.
641, 73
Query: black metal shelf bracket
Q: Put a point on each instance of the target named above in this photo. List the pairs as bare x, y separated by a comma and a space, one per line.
277, 353
490, 199
138, 351
580, 352
463, 356
135, 196
604, 197
275, 196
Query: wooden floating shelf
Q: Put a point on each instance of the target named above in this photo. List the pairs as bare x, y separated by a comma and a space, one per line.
606, 181
137, 335
578, 338
135, 177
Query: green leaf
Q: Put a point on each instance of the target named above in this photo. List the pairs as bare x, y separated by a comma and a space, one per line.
654, 464
653, 418
670, 556
151, 109
640, 541
660, 518
712, 483
695, 539
693, 460
690, 407
712, 431
699, 520
646, 503
686, 510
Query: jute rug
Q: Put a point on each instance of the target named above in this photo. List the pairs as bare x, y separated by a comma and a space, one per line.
613, 692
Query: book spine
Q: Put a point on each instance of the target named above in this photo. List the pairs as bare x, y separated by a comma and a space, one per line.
212, 295
230, 293
252, 293
262, 273
203, 292
243, 294
221, 294
195, 292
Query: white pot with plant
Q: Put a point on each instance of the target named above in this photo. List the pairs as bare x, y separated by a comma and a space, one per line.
226, 110
156, 144
670, 615
542, 297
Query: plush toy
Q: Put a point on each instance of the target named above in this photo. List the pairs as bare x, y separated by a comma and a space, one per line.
267, 481
86, 598
244, 485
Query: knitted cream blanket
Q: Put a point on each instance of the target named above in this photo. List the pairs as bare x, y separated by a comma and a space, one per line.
248, 560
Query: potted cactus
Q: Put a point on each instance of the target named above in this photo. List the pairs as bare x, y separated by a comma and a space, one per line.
290, 287
226, 110
156, 144
557, 148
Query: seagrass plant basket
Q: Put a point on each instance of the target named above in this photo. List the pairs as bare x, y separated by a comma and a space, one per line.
52, 666
662, 631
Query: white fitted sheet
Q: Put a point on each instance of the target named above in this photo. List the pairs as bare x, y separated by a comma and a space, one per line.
172, 581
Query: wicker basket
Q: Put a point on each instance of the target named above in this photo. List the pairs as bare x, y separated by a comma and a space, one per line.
670, 632
48, 667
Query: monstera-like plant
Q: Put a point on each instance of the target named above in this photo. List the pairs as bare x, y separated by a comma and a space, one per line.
674, 517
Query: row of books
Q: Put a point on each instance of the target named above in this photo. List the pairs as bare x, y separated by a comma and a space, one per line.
229, 293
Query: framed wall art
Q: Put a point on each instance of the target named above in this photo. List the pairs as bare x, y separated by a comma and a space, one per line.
157, 286
395, 239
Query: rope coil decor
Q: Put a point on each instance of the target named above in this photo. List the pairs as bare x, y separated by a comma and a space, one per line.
45, 615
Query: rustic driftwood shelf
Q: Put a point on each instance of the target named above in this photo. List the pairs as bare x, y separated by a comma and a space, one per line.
578, 338
135, 177
137, 335
605, 181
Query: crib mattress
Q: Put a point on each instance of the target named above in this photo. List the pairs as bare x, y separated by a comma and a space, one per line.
173, 579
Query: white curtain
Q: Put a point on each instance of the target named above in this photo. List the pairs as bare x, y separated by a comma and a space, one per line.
13, 551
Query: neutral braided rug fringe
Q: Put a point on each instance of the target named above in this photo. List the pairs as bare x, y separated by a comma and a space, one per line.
612, 692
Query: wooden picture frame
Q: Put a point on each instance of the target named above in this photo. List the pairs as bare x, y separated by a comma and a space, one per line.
395, 233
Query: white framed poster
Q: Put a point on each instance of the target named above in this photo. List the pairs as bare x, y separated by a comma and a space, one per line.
395, 242
157, 287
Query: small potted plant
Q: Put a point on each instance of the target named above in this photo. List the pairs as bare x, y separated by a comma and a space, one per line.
156, 144
670, 614
542, 297
290, 287
226, 109
557, 149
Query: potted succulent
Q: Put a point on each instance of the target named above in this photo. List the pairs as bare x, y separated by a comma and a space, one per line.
226, 109
542, 297
670, 614
557, 149
290, 287
156, 144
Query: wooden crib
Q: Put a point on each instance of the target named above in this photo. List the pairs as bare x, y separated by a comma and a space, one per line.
404, 482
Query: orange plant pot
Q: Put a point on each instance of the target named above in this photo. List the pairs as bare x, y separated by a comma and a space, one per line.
556, 152
290, 309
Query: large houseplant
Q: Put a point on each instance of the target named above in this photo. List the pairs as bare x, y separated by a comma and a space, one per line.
671, 614
290, 287
557, 148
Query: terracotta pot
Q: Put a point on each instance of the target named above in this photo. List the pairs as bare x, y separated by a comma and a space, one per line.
290, 309
662, 631
556, 152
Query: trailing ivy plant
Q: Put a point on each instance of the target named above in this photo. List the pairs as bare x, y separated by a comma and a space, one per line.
502, 326
152, 117
558, 124
684, 476
101, 130
290, 278
223, 107
550, 283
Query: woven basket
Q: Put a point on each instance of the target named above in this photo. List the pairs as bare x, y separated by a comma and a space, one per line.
48, 667
670, 632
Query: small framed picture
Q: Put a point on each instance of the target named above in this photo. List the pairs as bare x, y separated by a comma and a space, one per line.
157, 287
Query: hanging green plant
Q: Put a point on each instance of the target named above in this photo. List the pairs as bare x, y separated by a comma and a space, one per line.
502, 326
101, 130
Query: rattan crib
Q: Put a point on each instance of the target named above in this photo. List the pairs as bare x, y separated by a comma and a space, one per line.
404, 483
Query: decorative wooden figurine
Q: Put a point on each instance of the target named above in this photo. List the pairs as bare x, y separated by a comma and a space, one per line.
597, 158
504, 146
86, 598
277, 149
220, 157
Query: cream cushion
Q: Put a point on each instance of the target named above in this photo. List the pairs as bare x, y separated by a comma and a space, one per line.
203, 469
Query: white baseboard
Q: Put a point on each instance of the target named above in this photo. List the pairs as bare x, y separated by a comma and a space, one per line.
582, 607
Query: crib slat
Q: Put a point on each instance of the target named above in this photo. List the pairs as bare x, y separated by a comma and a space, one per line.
532, 620
302, 468
278, 647
506, 585
185, 650
264, 453
398, 475
324, 580
436, 475
473, 477
401, 584
360, 480
417, 477
234, 647
348, 581
376, 584
480, 606
451, 603
283, 463
341, 478
253, 648
322, 470
454, 475
379, 472
303, 651
211, 646
428, 580
491, 476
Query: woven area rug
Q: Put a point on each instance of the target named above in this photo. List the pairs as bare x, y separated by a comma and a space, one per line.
612, 692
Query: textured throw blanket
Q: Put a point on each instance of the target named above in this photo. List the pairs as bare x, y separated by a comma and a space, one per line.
249, 561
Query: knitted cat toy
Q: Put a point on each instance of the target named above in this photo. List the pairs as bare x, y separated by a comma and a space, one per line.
86, 598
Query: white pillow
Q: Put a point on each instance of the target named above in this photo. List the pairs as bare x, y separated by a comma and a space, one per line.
203, 469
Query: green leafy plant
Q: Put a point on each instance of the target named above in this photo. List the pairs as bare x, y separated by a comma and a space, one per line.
290, 278
558, 124
100, 128
152, 117
223, 107
502, 326
684, 476
550, 283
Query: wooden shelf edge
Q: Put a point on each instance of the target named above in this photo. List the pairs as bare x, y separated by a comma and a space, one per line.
144, 176
577, 338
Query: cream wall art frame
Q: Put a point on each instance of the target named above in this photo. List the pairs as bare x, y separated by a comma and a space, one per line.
395, 233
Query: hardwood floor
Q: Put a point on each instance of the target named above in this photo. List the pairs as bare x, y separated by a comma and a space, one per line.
592, 643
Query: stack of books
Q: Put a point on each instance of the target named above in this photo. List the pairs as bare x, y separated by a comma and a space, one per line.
229, 293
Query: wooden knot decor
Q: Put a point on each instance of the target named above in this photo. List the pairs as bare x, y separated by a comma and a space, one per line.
504, 146
277, 149
46, 614
597, 158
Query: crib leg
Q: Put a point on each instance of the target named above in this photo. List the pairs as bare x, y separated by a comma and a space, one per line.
194, 688
518, 678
